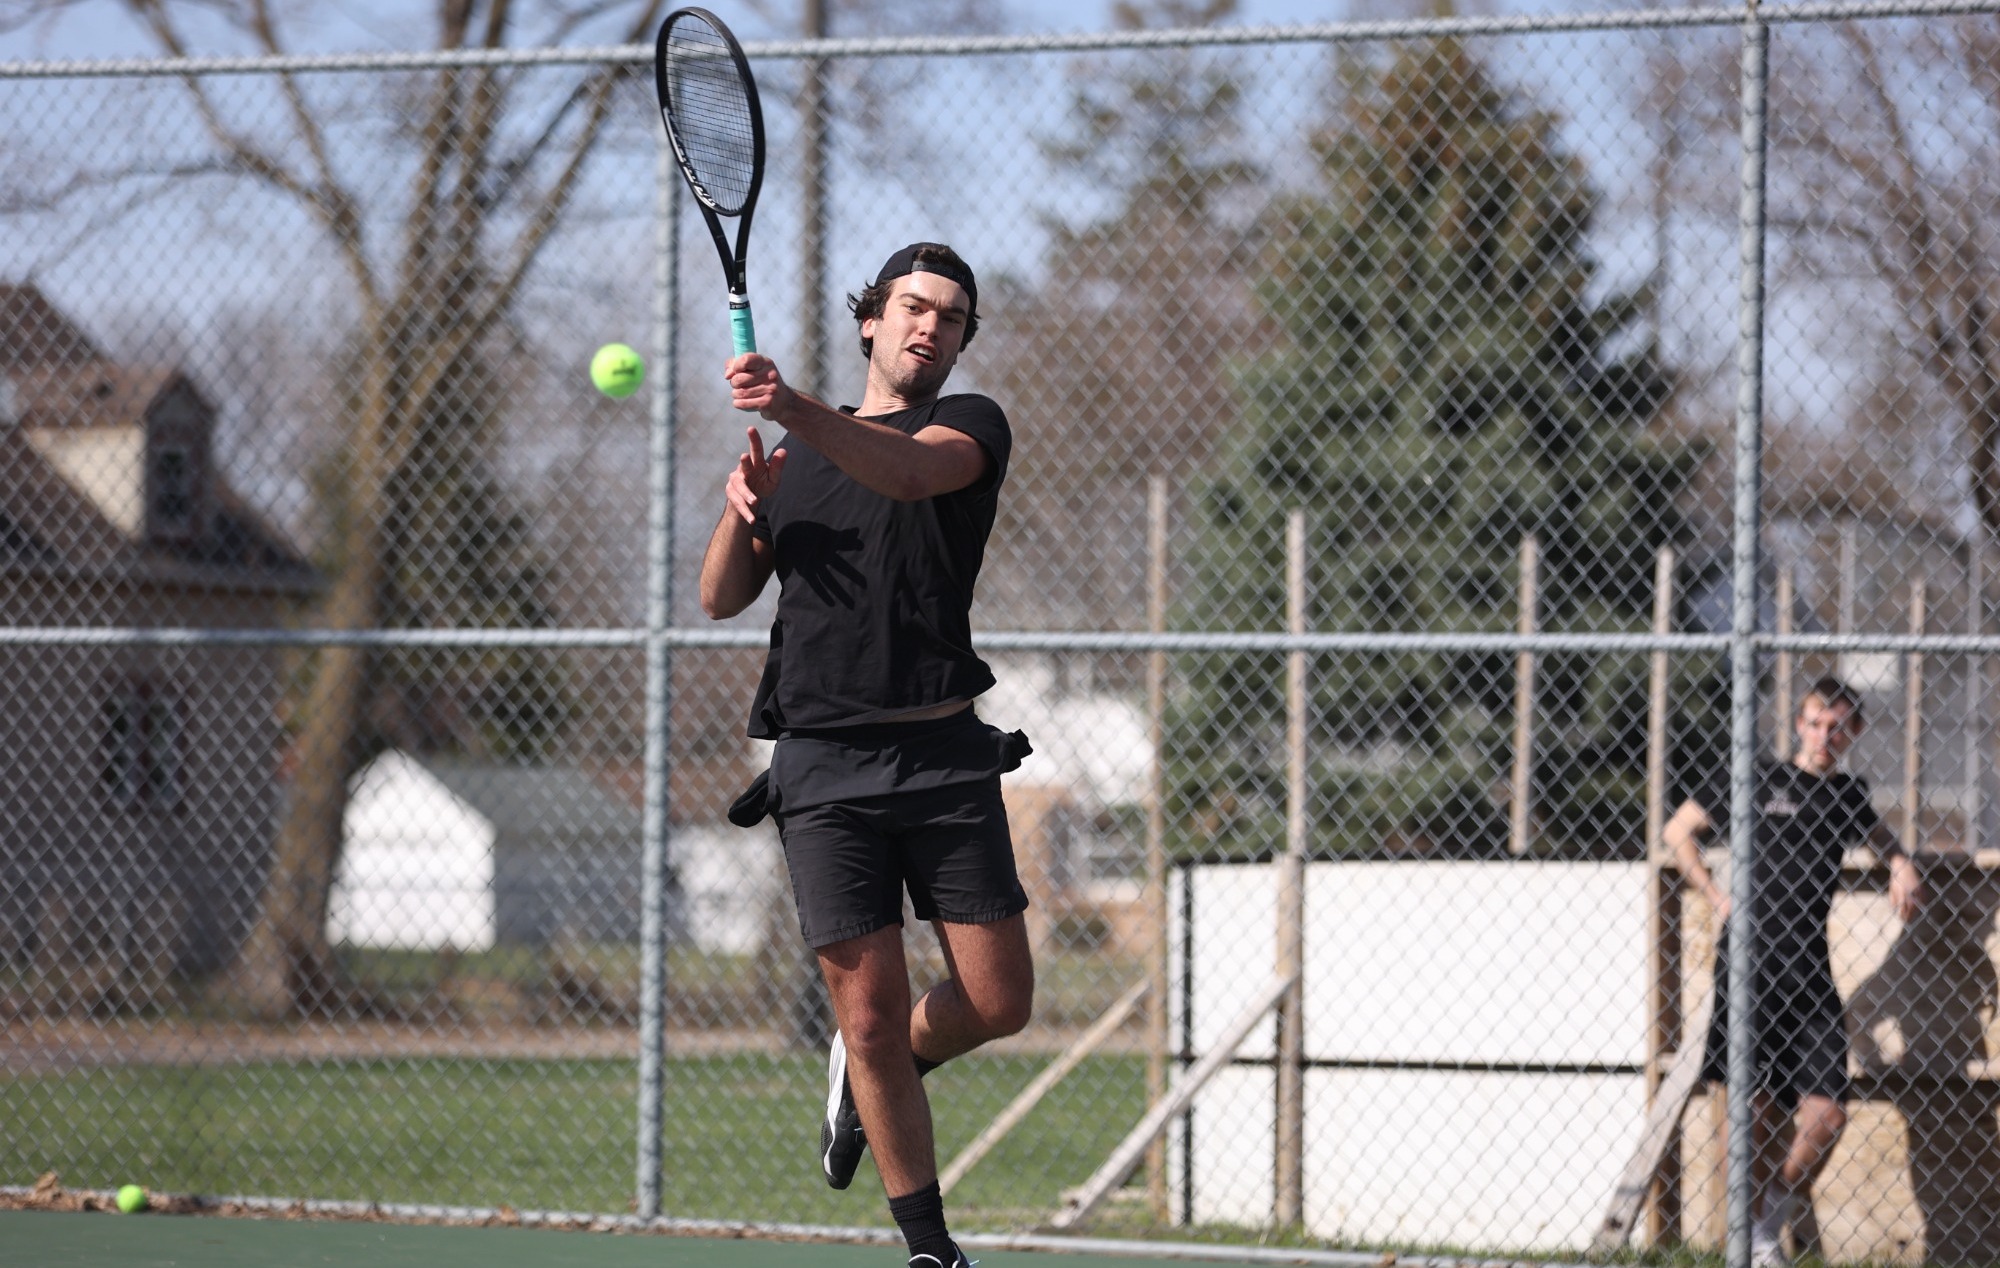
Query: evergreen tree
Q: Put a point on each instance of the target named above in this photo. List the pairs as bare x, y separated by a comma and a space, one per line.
1449, 382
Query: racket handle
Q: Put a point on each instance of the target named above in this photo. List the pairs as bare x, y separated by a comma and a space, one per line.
742, 330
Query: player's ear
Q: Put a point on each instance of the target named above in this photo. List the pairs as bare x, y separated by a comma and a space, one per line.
868, 325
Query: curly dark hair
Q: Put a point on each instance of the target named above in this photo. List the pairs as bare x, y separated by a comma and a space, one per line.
874, 297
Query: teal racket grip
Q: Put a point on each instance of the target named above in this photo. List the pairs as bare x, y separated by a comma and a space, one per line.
742, 329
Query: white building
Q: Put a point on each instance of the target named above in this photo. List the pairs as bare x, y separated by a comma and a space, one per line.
466, 855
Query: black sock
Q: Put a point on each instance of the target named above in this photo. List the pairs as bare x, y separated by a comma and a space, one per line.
921, 1217
925, 1065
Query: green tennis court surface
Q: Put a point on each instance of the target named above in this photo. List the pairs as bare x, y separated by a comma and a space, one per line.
42, 1239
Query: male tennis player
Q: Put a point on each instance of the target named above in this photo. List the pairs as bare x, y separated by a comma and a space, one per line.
882, 778
1808, 813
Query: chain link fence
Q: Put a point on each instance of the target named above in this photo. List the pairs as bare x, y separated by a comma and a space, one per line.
1390, 555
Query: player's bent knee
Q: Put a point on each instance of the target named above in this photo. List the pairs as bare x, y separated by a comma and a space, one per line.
876, 1034
1824, 1119
996, 1013
1011, 1020
1011, 1013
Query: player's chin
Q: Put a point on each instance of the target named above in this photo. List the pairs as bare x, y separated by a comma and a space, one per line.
925, 377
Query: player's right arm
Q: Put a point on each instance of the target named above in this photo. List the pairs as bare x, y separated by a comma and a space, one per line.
935, 461
1684, 832
738, 562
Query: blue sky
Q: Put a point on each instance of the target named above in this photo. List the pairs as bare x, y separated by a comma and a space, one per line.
1577, 78
104, 29
1585, 79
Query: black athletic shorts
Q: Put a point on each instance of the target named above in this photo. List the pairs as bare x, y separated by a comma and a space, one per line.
867, 812
1801, 1039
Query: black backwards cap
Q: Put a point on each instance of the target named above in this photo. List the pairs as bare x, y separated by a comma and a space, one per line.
905, 262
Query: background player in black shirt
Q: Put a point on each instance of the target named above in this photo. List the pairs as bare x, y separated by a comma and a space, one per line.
1808, 814
875, 521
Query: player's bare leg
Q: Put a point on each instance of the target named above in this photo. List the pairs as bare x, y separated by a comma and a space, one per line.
989, 993
868, 982
1815, 1131
1788, 1156
1767, 1144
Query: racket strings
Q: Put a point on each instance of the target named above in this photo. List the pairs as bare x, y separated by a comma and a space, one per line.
709, 107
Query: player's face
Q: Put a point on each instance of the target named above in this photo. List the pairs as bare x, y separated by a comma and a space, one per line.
918, 335
1824, 733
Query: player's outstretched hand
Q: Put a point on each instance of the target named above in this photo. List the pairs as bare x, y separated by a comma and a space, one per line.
755, 386
755, 477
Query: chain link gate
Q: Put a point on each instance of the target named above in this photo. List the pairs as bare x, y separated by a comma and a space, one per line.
1367, 578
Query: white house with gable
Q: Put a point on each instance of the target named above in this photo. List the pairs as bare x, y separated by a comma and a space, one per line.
416, 864
468, 855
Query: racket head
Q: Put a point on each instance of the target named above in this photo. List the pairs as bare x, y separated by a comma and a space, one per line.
708, 99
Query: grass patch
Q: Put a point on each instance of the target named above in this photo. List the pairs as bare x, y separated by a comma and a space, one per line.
740, 1133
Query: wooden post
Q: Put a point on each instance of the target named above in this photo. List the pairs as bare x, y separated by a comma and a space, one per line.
1288, 1207
1782, 706
1913, 723
1524, 703
1040, 1086
1975, 691
810, 372
1850, 553
1663, 943
1078, 1203
1158, 1027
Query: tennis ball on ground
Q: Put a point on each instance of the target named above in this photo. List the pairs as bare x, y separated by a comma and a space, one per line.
617, 371
131, 1198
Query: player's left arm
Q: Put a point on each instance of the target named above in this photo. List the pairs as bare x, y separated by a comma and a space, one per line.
1906, 886
935, 461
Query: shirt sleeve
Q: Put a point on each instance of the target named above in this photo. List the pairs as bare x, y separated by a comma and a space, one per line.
982, 419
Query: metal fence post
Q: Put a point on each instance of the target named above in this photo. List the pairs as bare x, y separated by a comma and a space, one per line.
659, 683
1743, 625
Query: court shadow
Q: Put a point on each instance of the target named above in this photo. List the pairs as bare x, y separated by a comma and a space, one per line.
1920, 1023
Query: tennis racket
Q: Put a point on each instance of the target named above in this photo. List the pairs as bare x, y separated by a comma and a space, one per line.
709, 102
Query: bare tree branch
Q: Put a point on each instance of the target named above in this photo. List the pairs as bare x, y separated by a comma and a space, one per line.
330, 205
544, 218
445, 288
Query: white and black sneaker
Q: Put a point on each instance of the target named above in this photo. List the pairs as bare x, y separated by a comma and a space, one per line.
1767, 1231
1767, 1250
841, 1140
958, 1260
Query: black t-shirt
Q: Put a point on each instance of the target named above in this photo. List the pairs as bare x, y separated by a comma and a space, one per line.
875, 595
1804, 823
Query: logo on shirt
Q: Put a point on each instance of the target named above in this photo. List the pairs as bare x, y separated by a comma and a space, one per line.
1781, 806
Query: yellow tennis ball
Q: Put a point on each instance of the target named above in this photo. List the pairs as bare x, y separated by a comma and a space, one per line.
617, 371
131, 1198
